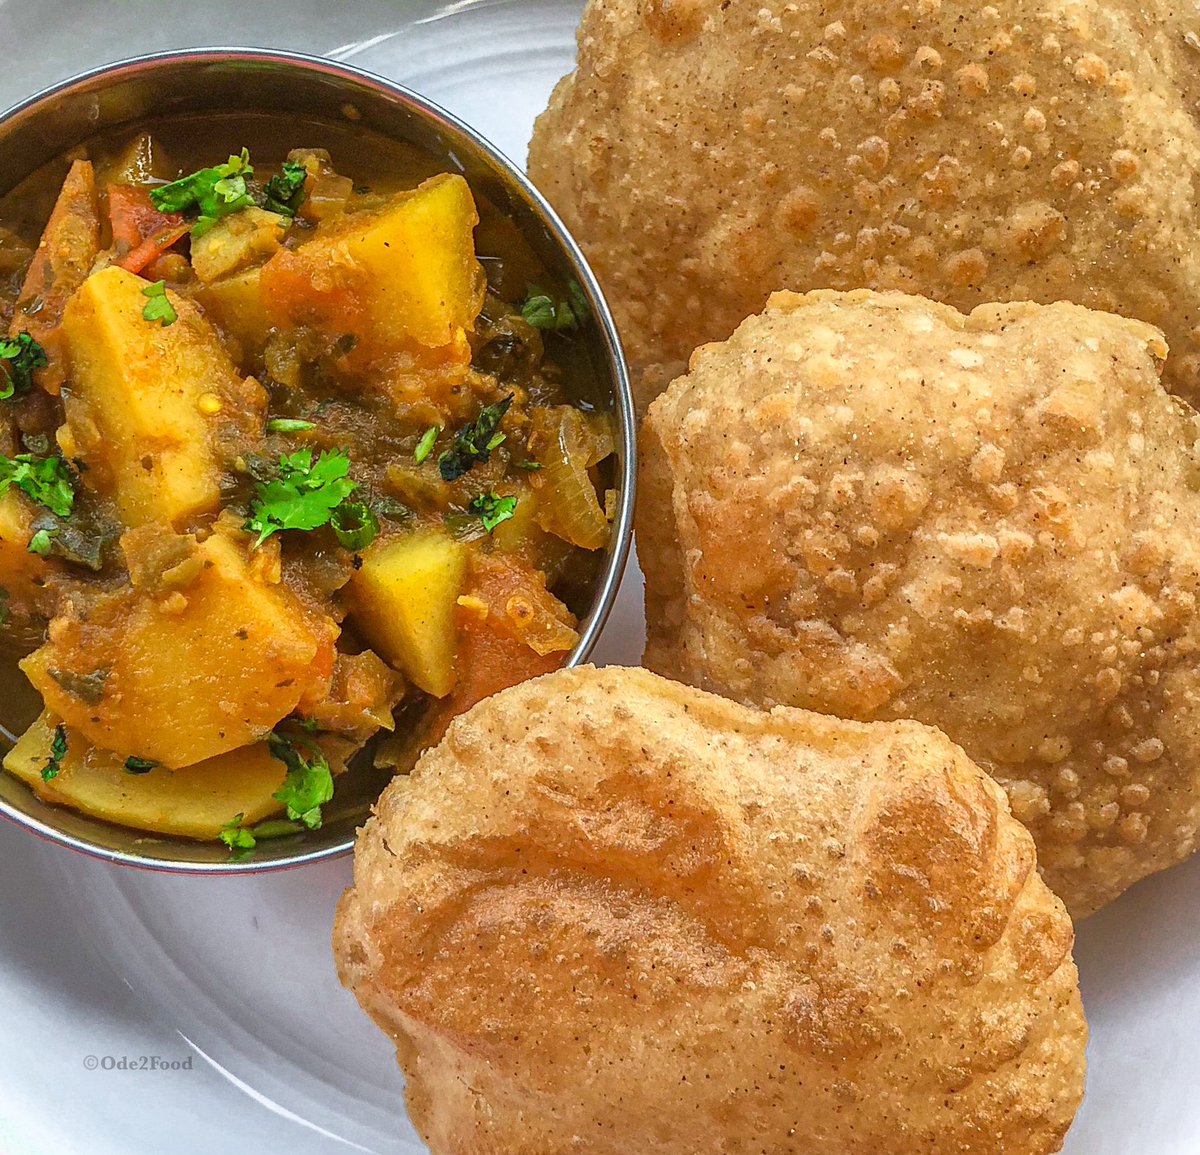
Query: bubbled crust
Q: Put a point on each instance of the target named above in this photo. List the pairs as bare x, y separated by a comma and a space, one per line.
706, 152
613, 914
874, 506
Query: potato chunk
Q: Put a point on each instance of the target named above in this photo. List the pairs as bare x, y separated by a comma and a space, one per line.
403, 600
193, 802
235, 303
185, 675
240, 239
21, 572
404, 275
145, 400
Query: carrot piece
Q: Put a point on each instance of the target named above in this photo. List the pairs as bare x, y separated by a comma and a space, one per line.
490, 660
140, 232
151, 248
65, 255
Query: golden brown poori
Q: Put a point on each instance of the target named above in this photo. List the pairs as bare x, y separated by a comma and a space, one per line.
707, 152
612, 914
875, 506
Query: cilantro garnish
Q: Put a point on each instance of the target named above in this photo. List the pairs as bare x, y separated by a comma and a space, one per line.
528, 466
243, 839
47, 480
492, 509
355, 525
285, 192
543, 312
289, 425
425, 445
303, 496
58, 751
235, 835
212, 193
20, 355
158, 307
40, 542
474, 442
309, 782
134, 765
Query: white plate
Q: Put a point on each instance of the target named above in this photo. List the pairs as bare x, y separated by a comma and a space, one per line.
234, 978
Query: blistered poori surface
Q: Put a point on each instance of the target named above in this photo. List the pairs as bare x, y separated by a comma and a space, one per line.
877, 507
707, 152
611, 913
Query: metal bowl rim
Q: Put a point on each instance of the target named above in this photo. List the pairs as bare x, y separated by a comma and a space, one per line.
624, 408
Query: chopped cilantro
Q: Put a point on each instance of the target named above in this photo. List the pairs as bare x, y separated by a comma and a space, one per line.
303, 496
276, 828
158, 307
235, 835
243, 839
135, 765
87, 687
20, 355
58, 751
45, 479
285, 192
474, 442
425, 445
289, 425
40, 542
355, 525
543, 312
528, 466
308, 785
493, 509
212, 193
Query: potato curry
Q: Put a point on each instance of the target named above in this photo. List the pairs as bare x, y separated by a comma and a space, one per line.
286, 478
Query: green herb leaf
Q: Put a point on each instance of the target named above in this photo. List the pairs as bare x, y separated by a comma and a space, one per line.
158, 307
493, 509
236, 836
88, 688
58, 751
285, 192
474, 442
308, 785
528, 466
425, 445
579, 305
355, 525
289, 425
276, 828
543, 312
211, 193
47, 480
21, 356
139, 765
40, 542
303, 496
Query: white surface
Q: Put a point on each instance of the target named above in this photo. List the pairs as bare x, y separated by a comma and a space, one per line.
236, 974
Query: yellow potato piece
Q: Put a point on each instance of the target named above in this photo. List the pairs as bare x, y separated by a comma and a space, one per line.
240, 239
20, 571
193, 802
405, 274
236, 305
141, 410
402, 600
188, 675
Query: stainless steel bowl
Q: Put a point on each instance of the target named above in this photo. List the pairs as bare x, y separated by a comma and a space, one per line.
223, 80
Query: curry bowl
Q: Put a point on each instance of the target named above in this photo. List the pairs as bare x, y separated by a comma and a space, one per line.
228, 99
